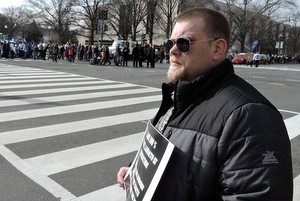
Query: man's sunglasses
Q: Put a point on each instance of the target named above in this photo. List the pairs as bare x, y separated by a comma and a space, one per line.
183, 43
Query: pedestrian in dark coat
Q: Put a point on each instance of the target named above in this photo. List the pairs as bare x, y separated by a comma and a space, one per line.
135, 55
231, 142
151, 56
142, 55
125, 53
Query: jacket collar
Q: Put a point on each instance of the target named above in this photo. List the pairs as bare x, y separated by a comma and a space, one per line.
187, 92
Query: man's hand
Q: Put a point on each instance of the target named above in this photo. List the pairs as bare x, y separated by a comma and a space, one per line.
120, 176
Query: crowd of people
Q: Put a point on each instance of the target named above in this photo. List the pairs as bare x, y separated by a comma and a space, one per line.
40, 51
93, 54
44, 51
97, 55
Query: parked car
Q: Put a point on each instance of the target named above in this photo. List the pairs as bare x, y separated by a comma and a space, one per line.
239, 59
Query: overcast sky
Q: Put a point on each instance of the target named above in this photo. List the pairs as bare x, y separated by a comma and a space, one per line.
8, 3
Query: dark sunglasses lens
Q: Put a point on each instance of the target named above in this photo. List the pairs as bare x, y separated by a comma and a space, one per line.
168, 45
183, 44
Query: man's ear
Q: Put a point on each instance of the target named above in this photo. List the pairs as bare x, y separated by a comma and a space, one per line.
220, 49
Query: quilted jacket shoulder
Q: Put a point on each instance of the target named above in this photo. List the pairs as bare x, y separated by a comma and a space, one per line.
223, 129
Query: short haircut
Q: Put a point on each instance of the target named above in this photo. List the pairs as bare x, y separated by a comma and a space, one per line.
215, 24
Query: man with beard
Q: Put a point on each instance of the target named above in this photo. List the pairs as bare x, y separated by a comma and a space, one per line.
234, 140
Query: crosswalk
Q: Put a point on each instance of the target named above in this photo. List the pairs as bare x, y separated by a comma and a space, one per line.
70, 133
29, 96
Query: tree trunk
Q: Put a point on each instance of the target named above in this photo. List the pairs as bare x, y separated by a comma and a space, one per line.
243, 39
133, 36
151, 15
92, 36
169, 27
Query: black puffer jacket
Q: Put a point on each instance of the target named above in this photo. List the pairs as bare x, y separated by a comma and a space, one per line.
233, 142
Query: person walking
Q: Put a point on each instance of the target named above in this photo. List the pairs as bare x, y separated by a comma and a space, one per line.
106, 56
233, 142
141, 55
135, 55
161, 55
151, 56
1, 49
256, 59
125, 53
118, 58
55, 51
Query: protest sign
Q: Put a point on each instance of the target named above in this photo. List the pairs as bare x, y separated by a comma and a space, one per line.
148, 166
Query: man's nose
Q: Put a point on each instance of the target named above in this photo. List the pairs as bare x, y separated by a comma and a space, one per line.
174, 50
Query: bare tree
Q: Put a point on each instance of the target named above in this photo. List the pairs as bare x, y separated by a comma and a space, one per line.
151, 13
56, 14
126, 16
264, 35
166, 15
188, 4
168, 9
3, 24
16, 19
88, 17
293, 41
119, 17
267, 39
139, 11
244, 14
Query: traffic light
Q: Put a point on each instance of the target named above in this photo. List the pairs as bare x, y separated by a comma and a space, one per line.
103, 14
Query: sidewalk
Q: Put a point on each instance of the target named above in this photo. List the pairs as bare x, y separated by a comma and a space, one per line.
289, 67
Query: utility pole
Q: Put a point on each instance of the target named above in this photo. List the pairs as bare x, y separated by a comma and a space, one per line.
102, 23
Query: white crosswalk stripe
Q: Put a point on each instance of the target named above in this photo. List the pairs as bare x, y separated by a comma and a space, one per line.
293, 126
13, 116
59, 84
47, 80
47, 183
45, 86
61, 98
71, 127
72, 89
23, 77
15, 75
68, 159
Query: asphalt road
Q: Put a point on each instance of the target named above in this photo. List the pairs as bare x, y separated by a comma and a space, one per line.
66, 128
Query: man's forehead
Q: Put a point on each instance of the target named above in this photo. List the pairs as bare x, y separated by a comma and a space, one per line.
188, 28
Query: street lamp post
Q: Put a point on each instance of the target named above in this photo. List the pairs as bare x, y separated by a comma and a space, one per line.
279, 44
49, 28
102, 27
102, 23
6, 29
